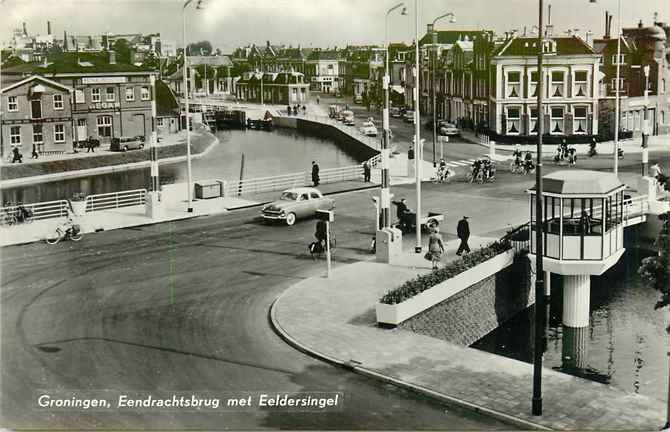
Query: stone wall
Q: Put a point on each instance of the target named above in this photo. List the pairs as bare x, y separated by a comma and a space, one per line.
479, 309
353, 147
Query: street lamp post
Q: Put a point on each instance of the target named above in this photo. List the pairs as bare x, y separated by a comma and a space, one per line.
418, 157
385, 192
645, 129
262, 75
540, 315
188, 120
433, 67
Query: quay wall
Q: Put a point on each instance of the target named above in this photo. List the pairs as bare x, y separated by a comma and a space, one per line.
479, 309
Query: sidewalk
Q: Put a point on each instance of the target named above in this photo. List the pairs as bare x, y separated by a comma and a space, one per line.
174, 207
334, 319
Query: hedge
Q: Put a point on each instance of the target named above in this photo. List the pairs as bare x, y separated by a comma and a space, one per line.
423, 282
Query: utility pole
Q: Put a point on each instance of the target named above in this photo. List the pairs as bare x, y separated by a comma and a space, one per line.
418, 158
645, 128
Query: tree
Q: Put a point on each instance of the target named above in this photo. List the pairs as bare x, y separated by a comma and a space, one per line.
152, 61
200, 48
123, 52
655, 270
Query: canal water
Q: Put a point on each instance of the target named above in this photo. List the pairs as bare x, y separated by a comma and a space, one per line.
627, 341
281, 151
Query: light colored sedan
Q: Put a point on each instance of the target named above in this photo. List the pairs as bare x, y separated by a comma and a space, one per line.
297, 203
448, 129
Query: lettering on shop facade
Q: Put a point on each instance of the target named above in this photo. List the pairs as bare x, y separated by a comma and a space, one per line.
103, 106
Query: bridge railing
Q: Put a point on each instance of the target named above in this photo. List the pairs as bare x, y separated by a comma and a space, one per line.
116, 200
41, 210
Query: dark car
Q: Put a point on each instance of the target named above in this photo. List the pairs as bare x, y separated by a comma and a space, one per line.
127, 143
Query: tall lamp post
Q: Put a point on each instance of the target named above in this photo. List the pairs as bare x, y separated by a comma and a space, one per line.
645, 130
385, 192
433, 67
540, 315
188, 120
418, 157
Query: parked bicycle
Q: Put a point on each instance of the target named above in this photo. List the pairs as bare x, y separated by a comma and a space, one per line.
15, 214
67, 230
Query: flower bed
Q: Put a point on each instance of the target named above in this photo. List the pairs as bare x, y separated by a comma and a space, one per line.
421, 283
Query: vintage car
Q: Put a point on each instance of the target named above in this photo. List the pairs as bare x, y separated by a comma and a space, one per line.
369, 129
127, 143
408, 117
348, 118
448, 129
396, 112
297, 203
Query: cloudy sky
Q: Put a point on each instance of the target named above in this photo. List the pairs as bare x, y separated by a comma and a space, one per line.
231, 23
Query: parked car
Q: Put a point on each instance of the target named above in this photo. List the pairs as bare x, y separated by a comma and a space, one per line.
396, 112
358, 99
348, 118
448, 129
408, 117
127, 143
297, 203
369, 129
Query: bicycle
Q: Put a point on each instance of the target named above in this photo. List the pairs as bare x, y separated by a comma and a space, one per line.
516, 168
475, 178
317, 249
67, 230
443, 176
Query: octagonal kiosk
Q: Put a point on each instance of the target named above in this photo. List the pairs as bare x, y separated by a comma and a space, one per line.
583, 224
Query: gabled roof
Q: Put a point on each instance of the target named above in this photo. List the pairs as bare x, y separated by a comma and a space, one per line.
325, 55
37, 78
527, 47
221, 60
166, 101
77, 62
627, 44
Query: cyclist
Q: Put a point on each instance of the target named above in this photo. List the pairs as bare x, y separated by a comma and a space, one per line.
476, 168
572, 156
528, 165
22, 213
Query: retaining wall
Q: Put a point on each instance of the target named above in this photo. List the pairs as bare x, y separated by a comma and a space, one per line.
479, 309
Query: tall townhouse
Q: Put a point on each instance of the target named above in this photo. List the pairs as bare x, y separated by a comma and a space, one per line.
570, 77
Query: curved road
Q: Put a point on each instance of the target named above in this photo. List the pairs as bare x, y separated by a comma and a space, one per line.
184, 307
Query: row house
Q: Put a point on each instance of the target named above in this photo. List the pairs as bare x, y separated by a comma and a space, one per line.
570, 80
642, 48
213, 75
281, 88
326, 71
109, 99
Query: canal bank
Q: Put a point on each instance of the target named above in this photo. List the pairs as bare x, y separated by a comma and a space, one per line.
334, 320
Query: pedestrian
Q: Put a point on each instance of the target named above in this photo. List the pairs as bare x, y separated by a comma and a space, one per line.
317, 100
435, 247
315, 173
304, 109
16, 155
463, 231
89, 144
585, 222
410, 153
366, 171
288, 109
401, 212
34, 155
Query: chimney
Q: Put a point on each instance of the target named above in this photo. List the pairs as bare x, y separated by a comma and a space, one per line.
49, 28
640, 25
607, 25
64, 40
589, 38
25, 31
429, 29
549, 31
112, 57
268, 43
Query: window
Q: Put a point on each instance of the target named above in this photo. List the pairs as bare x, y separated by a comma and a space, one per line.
314, 195
58, 101
12, 104
534, 128
59, 133
532, 84
145, 93
38, 137
622, 59
637, 120
557, 123
130, 94
581, 84
15, 135
513, 121
36, 108
580, 125
662, 117
159, 122
110, 96
79, 96
95, 95
513, 84
622, 83
557, 84
104, 126
663, 85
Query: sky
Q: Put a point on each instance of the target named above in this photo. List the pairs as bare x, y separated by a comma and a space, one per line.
228, 24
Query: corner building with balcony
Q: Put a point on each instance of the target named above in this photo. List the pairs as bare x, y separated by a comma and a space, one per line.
570, 85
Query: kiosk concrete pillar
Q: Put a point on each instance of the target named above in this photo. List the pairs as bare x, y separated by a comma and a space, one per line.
388, 244
575, 347
576, 299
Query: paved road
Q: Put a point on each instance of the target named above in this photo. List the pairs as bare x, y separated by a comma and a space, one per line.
184, 306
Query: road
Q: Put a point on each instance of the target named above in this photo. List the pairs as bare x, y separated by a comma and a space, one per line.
184, 306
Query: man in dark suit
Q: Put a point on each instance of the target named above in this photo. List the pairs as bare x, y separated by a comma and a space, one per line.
315, 173
463, 231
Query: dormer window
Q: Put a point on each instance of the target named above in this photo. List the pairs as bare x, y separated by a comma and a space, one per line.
549, 47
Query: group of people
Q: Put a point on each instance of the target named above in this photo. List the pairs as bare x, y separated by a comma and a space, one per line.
295, 109
565, 153
485, 168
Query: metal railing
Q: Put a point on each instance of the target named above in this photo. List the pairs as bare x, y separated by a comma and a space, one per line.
519, 238
115, 200
42, 210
